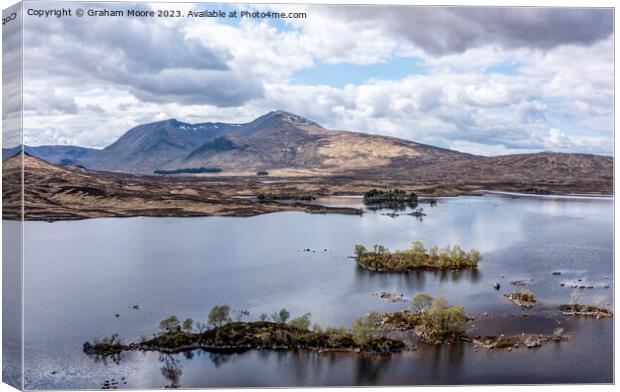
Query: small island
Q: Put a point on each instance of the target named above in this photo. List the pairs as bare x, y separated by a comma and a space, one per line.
390, 198
585, 310
433, 321
416, 257
516, 341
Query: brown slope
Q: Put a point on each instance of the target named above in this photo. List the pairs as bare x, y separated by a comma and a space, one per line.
544, 172
282, 140
54, 192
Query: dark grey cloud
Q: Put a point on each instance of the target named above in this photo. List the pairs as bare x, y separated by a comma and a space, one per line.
221, 88
50, 103
448, 30
153, 60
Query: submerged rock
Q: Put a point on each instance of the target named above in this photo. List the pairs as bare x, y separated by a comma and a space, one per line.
391, 297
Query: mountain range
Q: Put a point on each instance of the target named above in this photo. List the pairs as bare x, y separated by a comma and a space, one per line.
287, 144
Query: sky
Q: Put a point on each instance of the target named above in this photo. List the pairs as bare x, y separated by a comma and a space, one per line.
488, 81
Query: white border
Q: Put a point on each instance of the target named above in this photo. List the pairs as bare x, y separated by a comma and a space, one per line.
506, 3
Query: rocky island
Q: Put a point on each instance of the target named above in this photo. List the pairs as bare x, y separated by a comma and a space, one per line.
524, 298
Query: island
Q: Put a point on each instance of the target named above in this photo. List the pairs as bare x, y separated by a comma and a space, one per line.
435, 322
228, 336
585, 310
427, 320
416, 257
392, 198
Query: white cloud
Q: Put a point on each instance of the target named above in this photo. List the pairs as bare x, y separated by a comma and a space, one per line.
555, 93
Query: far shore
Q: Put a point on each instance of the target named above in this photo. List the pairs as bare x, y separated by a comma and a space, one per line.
58, 193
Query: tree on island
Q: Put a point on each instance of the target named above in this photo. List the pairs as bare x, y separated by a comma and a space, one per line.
436, 321
359, 250
301, 322
188, 325
366, 328
169, 325
281, 316
219, 315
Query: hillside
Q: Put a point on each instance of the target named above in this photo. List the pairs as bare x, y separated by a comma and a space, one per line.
63, 192
287, 145
68, 192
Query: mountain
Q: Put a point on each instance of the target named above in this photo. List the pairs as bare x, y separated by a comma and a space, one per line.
276, 140
285, 144
55, 154
149, 147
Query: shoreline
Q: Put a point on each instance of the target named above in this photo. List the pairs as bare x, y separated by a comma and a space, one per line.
239, 206
569, 196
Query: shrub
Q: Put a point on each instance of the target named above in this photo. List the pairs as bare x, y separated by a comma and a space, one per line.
366, 328
301, 323
335, 335
438, 322
359, 250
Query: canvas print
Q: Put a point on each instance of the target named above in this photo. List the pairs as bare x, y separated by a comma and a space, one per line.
203, 195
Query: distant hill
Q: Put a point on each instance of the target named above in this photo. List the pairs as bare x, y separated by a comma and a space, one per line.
282, 142
67, 192
276, 140
55, 154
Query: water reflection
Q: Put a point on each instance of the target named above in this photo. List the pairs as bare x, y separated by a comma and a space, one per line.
415, 280
369, 368
171, 370
219, 359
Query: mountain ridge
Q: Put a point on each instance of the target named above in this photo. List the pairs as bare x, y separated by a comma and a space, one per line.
280, 141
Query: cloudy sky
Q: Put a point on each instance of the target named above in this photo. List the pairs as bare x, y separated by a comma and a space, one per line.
482, 80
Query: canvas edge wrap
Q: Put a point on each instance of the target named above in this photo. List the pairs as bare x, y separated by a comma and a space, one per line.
13, 196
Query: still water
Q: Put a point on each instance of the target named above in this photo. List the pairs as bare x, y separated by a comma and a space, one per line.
80, 275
